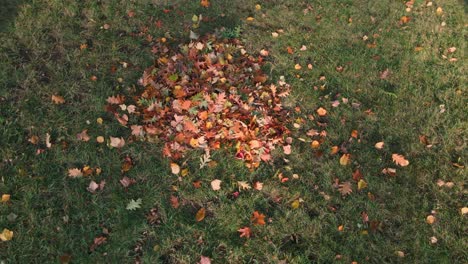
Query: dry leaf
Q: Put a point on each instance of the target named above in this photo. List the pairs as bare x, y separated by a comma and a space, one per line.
354, 133
205, 3
117, 142
321, 111
344, 160
216, 184
34, 140
362, 184
245, 232
174, 202
258, 186
175, 168
200, 214
384, 75
47, 141
297, 67
100, 139
5, 198
295, 204
345, 188
430, 219
379, 145
93, 186
204, 260
75, 173
6, 235
357, 175
243, 185
464, 210
126, 182
57, 99
400, 160
287, 149
83, 135
258, 218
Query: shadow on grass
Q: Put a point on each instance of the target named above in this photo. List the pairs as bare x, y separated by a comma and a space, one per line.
8, 12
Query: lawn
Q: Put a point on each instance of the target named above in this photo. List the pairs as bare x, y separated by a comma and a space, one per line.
389, 74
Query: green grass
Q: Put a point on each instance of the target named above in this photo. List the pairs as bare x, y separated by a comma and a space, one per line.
40, 55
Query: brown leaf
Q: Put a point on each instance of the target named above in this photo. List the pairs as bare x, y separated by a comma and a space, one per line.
126, 181
174, 202
97, 242
400, 160
200, 214
57, 99
345, 188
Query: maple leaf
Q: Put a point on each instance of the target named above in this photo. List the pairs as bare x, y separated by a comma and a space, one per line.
216, 184
243, 185
400, 160
83, 135
75, 173
345, 188
205, 3
200, 214
245, 232
258, 218
116, 99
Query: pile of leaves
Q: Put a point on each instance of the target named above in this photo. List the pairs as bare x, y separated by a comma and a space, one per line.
206, 95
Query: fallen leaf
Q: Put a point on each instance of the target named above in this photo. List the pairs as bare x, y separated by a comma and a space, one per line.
345, 188
93, 186
5, 198
258, 186
243, 185
297, 67
205, 3
464, 210
344, 160
126, 181
6, 235
175, 168
47, 141
34, 140
216, 184
57, 99
357, 175
287, 149
204, 260
258, 7
295, 204
133, 205
433, 240
100, 139
354, 134
362, 184
200, 214
400, 160
245, 232
97, 242
439, 11
321, 111
430, 219
379, 145
274, 34
75, 173
384, 75
83, 135
117, 142
258, 218
174, 202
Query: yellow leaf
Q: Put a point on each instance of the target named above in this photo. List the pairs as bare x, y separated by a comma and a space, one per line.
295, 204
175, 168
6, 235
258, 7
99, 120
184, 172
439, 11
5, 198
250, 19
344, 160
200, 214
315, 144
362, 184
297, 67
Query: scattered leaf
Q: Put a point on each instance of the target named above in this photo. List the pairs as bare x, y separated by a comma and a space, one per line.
5, 198
258, 218
117, 142
243, 185
6, 235
245, 232
174, 202
126, 181
295, 204
83, 135
216, 184
321, 111
258, 186
57, 99
400, 160
133, 205
379, 145
345, 188
430, 219
200, 214
362, 184
175, 168
75, 173
204, 260
344, 160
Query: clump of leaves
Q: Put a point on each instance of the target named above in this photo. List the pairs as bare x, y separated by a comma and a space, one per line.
208, 94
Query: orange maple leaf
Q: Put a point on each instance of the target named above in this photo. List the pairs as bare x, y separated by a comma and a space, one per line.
205, 3
258, 218
245, 232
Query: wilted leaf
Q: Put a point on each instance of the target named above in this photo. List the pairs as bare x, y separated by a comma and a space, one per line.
57, 99
47, 141
5, 198
216, 184
75, 173
83, 135
6, 235
245, 232
117, 142
175, 168
344, 160
345, 188
258, 218
400, 160
200, 214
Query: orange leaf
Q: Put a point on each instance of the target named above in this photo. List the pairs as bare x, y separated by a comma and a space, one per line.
400, 160
258, 218
354, 134
321, 112
290, 50
245, 232
200, 214
205, 3
57, 99
379, 145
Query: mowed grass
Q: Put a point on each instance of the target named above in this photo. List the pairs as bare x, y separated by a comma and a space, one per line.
423, 94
